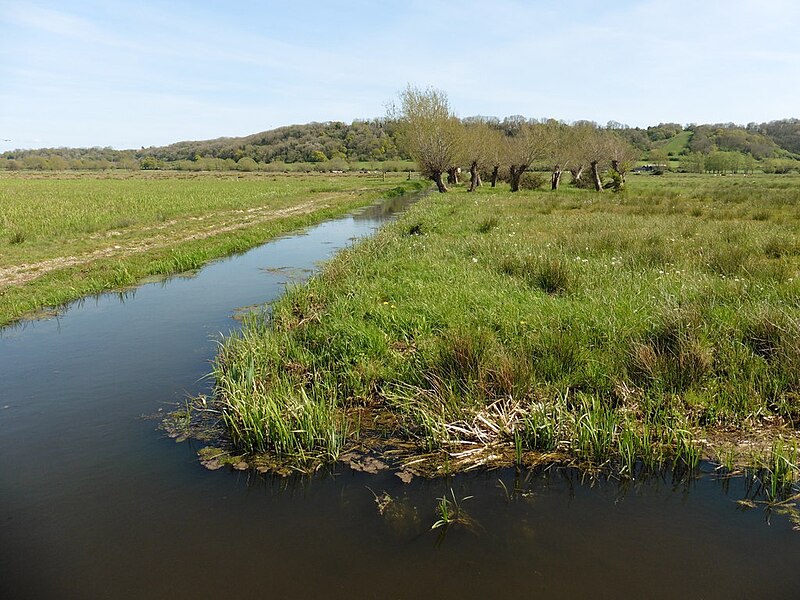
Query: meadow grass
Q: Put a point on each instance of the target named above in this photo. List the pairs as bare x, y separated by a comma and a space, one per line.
626, 332
82, 234
677, 143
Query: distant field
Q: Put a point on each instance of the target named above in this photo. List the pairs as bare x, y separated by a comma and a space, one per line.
63, 235
678, 143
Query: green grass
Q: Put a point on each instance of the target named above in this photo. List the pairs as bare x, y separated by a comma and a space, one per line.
677, 143
83, 234
627, 332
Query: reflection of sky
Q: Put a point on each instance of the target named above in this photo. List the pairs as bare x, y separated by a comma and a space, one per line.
130, 74
79, 465
118, 342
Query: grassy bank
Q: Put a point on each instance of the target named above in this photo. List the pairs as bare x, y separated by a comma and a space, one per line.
627, 332
65, 236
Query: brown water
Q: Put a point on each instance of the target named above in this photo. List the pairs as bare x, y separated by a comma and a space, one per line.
95, 502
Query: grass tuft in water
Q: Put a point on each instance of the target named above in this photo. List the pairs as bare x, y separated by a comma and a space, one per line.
451, 512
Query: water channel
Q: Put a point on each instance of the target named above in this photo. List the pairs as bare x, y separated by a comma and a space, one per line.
96, 502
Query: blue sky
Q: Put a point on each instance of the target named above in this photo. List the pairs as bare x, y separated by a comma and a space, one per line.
130, 74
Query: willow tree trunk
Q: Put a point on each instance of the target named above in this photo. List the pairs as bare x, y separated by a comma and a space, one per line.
452, 175
495, 175
437, 178
577, 173
598, 183
615, 166
516, 174
555, 178
474, 177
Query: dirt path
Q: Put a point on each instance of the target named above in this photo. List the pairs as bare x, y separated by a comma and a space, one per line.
232, 221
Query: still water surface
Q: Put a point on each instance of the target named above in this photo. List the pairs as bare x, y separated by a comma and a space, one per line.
95, 502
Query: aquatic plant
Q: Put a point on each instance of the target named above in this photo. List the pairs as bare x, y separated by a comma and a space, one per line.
451, 512
779, 473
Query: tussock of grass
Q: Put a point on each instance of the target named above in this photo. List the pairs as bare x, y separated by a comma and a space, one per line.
16, 237
551, 275
607, 331
779, 246
671, 356
488, 224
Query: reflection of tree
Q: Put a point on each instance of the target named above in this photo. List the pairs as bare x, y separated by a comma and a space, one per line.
387, 208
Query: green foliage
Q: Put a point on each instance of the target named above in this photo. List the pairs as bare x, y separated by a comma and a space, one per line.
488, 224
778, 472
664, 131
451, 512
693, 162
785, 133
781, 166
377, 141
671, 356
532, 181
723, 162
550, 275
16, 237
246, 164
362, 140
314, 142
616, 183
728, 137
149, 163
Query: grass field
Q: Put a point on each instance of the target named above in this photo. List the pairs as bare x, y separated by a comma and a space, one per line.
618, 331
67, 235
676, 144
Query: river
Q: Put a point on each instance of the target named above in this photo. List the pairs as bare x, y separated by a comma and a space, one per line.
96, 502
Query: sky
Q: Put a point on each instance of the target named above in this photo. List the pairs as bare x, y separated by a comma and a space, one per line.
144, 73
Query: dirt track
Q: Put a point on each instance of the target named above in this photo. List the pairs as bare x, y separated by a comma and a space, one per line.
224, 222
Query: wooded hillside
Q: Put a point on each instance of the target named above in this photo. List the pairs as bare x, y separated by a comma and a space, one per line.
337, 145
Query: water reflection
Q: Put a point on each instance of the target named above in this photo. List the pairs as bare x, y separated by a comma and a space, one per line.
386, 210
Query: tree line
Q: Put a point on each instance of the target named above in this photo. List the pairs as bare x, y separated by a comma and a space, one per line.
332, 146
441, 144
724, 147
361, 140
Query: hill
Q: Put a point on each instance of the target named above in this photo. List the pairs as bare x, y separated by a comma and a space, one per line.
337, 145
313, 142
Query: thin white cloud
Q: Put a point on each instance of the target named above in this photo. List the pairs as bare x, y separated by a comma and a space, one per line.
60, 23
137, 73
